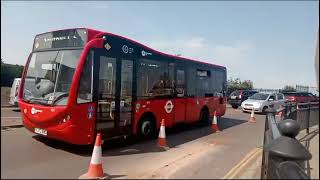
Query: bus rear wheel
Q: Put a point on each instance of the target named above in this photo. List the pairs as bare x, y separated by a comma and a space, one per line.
147, 128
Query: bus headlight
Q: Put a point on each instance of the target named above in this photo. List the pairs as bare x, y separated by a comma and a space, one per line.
137, 107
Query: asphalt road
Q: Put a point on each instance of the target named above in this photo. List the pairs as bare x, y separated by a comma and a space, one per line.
5, 93
195, 152
10, 116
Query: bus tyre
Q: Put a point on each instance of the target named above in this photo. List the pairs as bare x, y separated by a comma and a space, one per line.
147, 128
204, 116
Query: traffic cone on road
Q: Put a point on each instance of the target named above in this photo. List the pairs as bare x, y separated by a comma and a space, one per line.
162, 136
95, 168
252, 118
280, 115
214, 125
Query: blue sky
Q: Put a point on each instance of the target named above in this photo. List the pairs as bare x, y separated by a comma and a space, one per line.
271, 43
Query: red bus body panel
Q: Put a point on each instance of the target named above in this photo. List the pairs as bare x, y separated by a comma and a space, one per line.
78, 130
193, 108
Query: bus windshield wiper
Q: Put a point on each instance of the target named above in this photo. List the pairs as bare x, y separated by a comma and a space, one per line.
38, 100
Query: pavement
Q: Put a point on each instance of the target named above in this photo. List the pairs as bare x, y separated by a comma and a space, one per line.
311, 142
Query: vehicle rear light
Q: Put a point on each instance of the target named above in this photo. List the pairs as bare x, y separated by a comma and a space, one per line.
292, 98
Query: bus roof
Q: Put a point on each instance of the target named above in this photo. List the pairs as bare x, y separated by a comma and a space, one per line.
92, 33
156, 51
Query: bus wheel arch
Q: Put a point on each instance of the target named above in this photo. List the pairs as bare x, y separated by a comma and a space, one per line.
147, 126
204, 114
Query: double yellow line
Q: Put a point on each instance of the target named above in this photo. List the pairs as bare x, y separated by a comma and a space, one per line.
240, 167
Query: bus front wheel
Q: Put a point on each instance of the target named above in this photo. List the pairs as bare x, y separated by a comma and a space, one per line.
147, 127
204, 116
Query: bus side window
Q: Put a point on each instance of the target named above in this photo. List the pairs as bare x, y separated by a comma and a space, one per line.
191, 79
155, 79
85, 86
180, 87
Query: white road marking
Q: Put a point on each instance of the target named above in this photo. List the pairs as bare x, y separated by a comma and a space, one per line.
10, 117
9, 108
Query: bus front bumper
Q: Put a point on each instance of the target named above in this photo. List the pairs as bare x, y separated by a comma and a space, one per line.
70, 133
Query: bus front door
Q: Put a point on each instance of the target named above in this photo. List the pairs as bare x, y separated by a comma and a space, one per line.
114, 95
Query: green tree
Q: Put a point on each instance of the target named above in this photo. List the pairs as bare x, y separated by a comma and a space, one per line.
246, 84
237, 84
9, 72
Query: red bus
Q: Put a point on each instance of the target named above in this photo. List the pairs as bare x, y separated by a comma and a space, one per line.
78, 82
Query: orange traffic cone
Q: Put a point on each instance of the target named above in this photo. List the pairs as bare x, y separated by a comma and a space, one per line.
162, 136
214, 124
280, 115
252, 118
95, 168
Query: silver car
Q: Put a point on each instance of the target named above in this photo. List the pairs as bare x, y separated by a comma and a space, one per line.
262, 101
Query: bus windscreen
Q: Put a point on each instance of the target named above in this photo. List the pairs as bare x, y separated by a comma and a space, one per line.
61, 39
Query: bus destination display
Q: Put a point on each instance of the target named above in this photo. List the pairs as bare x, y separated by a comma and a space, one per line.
61, 39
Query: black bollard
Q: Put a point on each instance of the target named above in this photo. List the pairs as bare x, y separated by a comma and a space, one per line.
286, 148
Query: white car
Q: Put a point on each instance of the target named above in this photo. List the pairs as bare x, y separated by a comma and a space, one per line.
14, 92
262, 101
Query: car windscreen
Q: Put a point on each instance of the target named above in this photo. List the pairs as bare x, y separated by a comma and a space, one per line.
259, 96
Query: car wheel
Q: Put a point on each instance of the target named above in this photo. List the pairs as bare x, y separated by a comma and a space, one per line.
147, 128
235, 106
264, 109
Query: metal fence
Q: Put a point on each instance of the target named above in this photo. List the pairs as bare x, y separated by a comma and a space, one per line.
284, 157
306, 114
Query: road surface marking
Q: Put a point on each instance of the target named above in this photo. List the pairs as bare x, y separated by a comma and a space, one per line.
238, 168
8, 108
10, 117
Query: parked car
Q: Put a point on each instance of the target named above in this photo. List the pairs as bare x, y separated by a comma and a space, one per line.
13, 99
300, 97
238, 96
262, 101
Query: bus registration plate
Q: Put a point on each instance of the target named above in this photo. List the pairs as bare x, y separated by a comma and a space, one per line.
40, 131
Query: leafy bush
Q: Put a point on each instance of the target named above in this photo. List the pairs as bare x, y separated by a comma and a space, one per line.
237, 84
9, 72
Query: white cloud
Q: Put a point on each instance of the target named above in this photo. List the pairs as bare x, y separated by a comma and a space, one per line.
234, 56
196, 43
